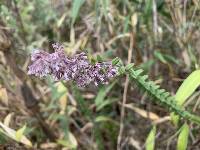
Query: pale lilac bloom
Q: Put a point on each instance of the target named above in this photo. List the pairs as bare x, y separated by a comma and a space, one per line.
76, 68
41, 66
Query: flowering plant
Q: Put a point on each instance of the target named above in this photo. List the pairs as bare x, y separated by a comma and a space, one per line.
80, 70
76, 68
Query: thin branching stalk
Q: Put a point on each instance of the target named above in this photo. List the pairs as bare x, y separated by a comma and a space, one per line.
125, 95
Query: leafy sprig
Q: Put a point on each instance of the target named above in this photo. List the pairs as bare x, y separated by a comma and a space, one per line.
159, 95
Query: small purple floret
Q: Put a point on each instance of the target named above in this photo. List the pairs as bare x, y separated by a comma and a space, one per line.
76, 68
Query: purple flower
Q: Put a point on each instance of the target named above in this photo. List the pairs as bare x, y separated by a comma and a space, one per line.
76, 68
41, 66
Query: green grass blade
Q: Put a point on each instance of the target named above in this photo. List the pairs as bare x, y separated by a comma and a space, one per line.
183, 138
189, 85
186, 89
76, 5
102, 94
150, 141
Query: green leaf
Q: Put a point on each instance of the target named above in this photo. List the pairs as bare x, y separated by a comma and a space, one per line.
75, 9
171, 58
19, 133
104, 119
174, 118
99, 58
129, 66
147, 9
102, 94
83, 105
160, 57
105, 4
115, 61
98, 136
12, 134
61, 20
121, 70
126, 23
70, 142
189, 85
150, 141
186, 89
183, 138
106, 102
147, 65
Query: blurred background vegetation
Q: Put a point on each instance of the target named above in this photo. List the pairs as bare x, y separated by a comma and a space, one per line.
160, 36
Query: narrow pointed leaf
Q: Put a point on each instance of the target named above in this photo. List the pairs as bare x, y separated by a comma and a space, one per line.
12, 134
76, 5
19, 133
183, 138
150, 141
189, 85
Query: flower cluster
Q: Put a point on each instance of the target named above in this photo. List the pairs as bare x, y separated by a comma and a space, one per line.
76, 68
